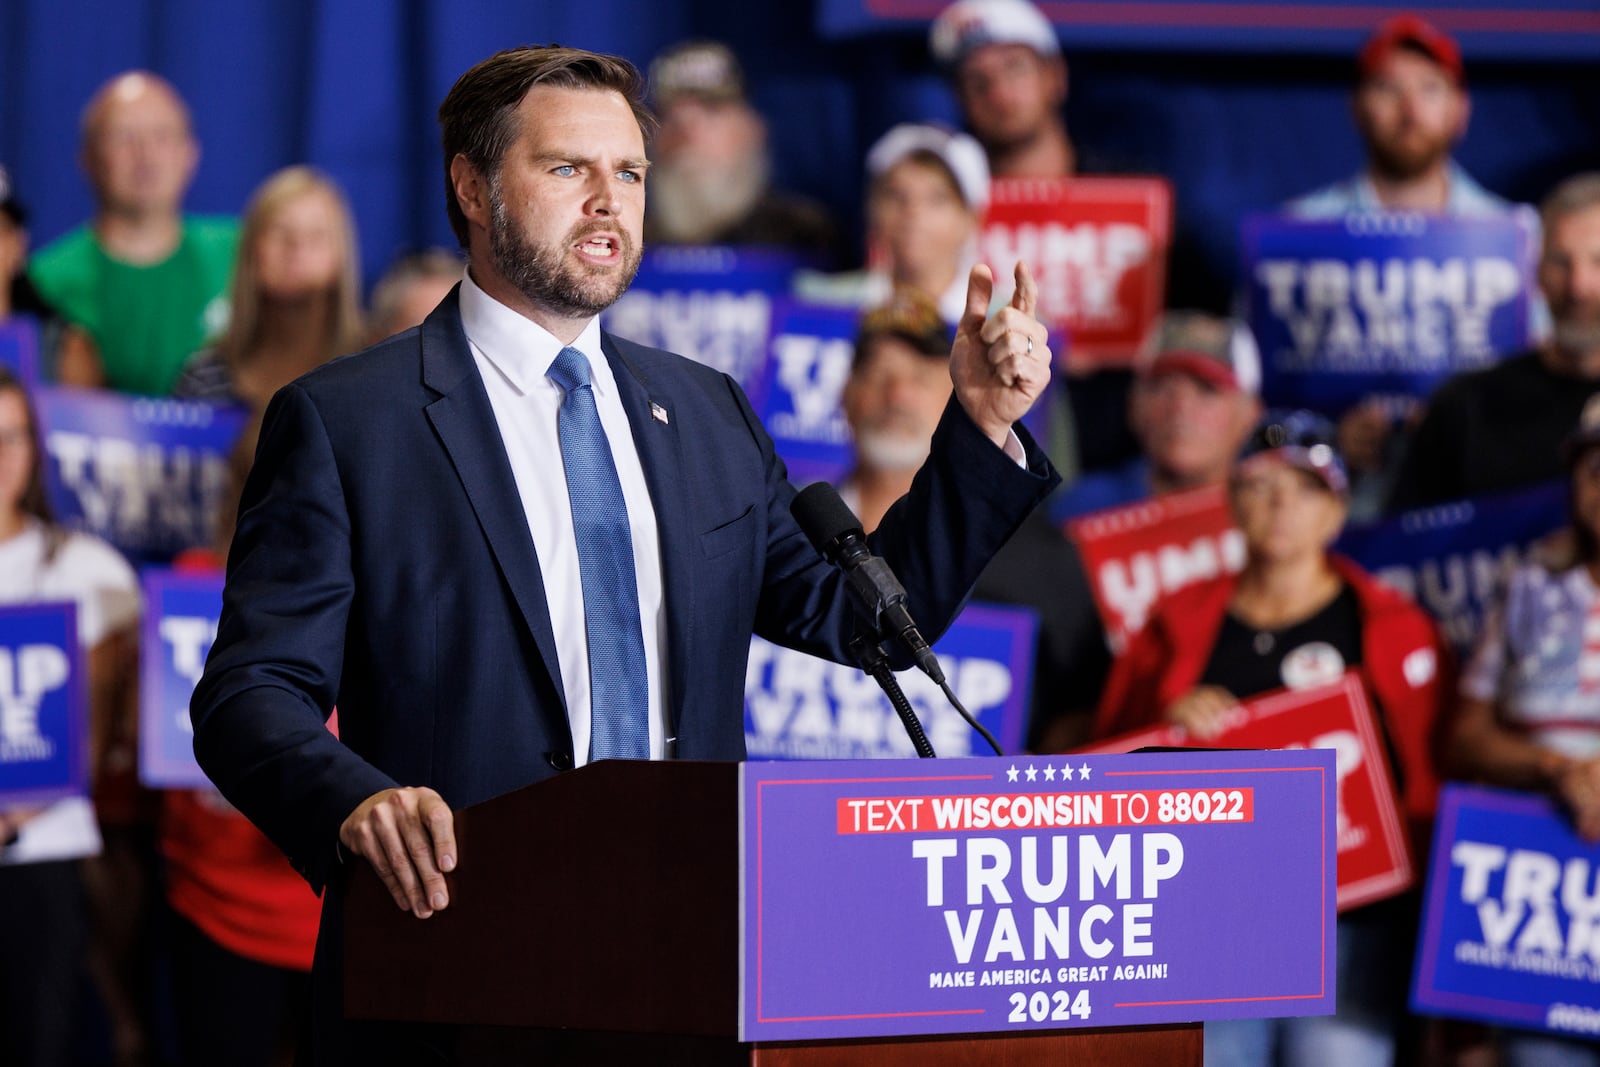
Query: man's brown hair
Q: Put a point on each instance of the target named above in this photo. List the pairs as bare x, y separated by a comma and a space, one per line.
478, 117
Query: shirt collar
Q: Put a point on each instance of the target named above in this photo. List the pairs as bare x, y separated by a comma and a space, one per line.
521, 349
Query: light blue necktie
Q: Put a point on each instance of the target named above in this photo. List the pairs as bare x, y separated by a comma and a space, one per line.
618, 688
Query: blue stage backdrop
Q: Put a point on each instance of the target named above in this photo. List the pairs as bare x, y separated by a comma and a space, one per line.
352, 86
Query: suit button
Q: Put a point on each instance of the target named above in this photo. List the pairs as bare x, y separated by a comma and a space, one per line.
561, 761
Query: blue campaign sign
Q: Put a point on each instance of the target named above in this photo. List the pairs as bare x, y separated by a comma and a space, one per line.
1510, 932
1383, 304
1486, 28
712, 304
800, 707
809, 360
1455, 559
146, 475
180, 622
19, 347
43, 715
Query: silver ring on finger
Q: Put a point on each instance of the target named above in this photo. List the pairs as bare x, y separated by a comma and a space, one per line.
1030, 347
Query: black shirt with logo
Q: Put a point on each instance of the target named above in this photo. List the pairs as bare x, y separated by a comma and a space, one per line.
1316, 651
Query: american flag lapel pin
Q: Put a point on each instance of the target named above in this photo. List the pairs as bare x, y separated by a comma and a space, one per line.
659, 413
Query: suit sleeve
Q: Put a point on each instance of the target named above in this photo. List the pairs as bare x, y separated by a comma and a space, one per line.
272, 676
965, 502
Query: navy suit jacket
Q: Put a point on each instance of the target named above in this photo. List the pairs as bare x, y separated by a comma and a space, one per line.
383, 564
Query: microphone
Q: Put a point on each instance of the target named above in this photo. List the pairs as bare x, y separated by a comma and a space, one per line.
836, 533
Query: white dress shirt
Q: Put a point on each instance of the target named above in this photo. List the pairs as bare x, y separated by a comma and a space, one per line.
513, 355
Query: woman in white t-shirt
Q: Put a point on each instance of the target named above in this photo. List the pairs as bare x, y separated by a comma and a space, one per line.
44, 934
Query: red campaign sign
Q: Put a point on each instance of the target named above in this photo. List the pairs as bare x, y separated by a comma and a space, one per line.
1374, 858
1137, 554
1098, 247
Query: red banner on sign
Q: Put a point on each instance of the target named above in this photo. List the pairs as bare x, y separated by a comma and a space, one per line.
1374, 858
1098, 247
1137, 554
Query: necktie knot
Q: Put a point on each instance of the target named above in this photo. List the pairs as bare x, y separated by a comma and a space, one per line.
570, 369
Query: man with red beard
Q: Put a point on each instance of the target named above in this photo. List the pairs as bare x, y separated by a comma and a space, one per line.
1501, 428
1411, 108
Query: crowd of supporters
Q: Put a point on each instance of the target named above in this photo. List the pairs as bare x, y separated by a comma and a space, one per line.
166, 928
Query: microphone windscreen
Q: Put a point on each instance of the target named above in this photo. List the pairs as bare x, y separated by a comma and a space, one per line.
823, 516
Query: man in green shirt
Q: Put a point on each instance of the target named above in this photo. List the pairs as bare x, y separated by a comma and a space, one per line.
149, 284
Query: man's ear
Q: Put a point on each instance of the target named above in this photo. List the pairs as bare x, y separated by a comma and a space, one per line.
471, 189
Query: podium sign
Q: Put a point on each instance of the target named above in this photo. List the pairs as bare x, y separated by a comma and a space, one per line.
1510, 933
1040, 893
1374, 858
180, 622
43, 719
1135, 555
1098, 248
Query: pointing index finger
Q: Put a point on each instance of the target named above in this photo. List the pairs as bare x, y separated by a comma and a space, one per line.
1026, 297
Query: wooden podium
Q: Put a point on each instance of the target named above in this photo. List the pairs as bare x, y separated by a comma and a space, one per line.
594, 919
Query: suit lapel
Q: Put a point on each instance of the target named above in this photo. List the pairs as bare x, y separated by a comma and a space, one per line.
466, 425
656, 436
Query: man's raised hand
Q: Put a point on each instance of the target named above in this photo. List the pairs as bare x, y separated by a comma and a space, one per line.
1000, 363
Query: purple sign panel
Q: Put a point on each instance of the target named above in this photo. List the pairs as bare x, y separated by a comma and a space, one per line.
1455, 559
1383, 304
1511, 928
1037, 893
808, 365
43, 716
712, 304
146, 475
797, 706
180, 622
19, 347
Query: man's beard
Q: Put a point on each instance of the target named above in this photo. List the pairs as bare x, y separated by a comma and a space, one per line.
692, 205
889, 450
1404, 158
1577, 330
540, 272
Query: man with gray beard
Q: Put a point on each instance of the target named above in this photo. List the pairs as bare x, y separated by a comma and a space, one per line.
1501, 427
710, 183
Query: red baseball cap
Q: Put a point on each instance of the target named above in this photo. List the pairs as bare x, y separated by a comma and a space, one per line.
1415, 32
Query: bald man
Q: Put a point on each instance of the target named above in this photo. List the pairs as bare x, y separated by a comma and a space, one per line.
148, 283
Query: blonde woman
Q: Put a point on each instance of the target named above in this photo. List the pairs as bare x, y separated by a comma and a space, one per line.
296, 293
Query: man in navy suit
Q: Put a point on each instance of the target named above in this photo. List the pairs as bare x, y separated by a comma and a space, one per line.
405, 548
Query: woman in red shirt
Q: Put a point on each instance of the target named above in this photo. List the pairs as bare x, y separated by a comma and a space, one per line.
1298, 616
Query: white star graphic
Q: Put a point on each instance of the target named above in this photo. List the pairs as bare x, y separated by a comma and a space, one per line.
1049, 773
1032, 774
1066, 773
1011, 773
1083, 772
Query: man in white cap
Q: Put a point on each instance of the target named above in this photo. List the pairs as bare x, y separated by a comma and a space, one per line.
927, 187
1005, 62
